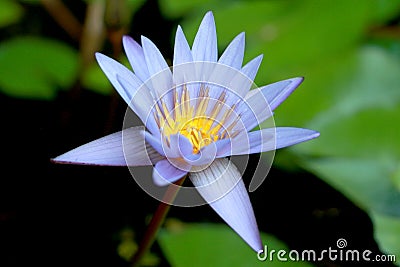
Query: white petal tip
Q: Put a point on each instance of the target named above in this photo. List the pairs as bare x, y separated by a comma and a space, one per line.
312, 134
222, 187
209, 13
144, 39
126, 38
99, 55
296, 82
316, 134
298, 79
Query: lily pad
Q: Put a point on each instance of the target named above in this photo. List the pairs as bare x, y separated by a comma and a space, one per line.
215, 245
10, 12
387, 233
36, 68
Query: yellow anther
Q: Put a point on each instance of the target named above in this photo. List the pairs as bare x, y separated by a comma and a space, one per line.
192, 120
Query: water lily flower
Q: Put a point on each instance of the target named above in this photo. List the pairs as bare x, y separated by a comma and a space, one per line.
196, 114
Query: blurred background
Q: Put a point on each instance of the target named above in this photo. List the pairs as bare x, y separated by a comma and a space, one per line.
53, 97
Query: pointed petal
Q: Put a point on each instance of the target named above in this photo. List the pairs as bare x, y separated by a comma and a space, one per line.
269, 139
251, 68
234, 52
205, 43
222, 187
241, 80
111, 68
132, 90
164, 173
275, 95
288, 136
141, 103
161, 75
183, 66
255, 109
123, 148
276, 92
227, 72
136, 58
182, 53
154, 59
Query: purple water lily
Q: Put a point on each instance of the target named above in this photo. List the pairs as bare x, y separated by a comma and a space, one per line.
195, 114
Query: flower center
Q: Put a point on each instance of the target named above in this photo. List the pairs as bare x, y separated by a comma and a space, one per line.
196, 119
199, 132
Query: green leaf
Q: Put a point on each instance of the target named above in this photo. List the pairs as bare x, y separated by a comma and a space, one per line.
366, 182
94, 79
290, 34
369, 184
368, 133
215, 245
178, 8
385, 10
387, 232
10, 12
359, 79
36, 68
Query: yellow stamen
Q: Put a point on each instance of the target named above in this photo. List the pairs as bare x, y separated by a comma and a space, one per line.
191, 119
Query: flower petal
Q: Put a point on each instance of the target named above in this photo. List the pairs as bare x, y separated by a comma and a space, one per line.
142, 103
205, 43
136, 58
251, 68
222, 187
234, 52
124, 148
185, 148
165, 173
238, 81
154, 59
255, 109
184, 70
182, 53
227, 72
111, 68
155, 142
131, 89
205, 156
161, 76
277, 92
223, 145
276, 96
182, 144
288, 136
269, 139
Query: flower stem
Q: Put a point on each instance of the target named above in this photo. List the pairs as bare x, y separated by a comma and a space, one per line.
156, 222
